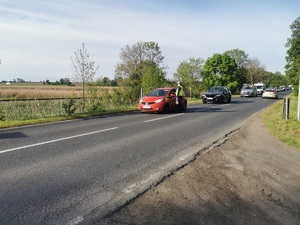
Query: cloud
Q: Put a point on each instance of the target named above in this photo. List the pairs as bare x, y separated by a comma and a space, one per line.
41, 36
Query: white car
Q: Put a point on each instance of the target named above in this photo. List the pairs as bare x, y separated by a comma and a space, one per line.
270, 93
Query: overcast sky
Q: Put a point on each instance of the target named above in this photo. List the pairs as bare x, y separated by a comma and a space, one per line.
38, 38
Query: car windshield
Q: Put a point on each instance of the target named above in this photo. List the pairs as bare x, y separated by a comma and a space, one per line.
158, 92
247, 87
216, 89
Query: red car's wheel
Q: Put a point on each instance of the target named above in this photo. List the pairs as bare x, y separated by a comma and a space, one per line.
166, 108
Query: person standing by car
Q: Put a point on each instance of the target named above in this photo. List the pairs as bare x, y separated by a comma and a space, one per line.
179, 95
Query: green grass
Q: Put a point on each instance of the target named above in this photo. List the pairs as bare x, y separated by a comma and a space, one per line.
287, 131
16, 123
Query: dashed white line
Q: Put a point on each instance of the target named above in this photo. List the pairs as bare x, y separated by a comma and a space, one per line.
161, 118
56, 140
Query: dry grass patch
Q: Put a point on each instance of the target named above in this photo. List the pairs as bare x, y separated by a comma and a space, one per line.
40, 91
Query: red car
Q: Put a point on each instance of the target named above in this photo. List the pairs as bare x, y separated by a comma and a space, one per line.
162, 100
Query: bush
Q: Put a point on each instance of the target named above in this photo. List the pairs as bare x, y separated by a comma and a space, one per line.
69, 107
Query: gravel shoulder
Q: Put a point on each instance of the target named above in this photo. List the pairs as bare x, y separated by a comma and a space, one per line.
252, 178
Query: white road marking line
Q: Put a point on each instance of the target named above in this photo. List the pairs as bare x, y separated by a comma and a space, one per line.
161, 118
56, 140
137, 185
77, 220
182, 158
130, 188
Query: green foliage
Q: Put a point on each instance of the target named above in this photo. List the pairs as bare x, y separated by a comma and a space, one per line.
276, 79
189, 72
293, 56
62, 81
35, 109
130, 89
240, 57
105, 99
153, 77
117, 97
138, 61
221, 70
285, 130
2, 115
69, 106
93, 101
105, 82
241, 60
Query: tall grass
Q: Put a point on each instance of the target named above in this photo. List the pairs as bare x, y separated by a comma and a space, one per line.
98, 101
32, 109
42, 91
288, 131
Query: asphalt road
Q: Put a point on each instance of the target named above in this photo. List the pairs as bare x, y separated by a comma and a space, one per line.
70, 172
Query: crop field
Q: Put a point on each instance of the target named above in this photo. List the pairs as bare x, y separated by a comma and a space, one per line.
37, 91
27, 101
40, 91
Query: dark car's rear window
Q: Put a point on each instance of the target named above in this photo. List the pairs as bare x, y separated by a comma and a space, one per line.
216, 89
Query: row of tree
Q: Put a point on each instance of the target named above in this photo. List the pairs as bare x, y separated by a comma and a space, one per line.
142, 66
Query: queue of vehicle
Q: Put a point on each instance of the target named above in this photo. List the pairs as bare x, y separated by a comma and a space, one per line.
163, 100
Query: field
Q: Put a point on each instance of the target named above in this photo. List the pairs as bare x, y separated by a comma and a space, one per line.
37, 91
20, 102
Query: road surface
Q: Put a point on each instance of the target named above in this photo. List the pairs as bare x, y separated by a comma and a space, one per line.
59, 173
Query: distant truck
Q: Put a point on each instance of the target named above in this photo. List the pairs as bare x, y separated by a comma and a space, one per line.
261, 87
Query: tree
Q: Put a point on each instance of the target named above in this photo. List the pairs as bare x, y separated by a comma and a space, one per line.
189, 72
131, 68
240, 57
276, 79
105, 81
83, 71
153, 77
255, 71
293, 56
221, 70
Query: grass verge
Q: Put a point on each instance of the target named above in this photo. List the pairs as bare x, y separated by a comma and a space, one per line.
287, 131
9, 123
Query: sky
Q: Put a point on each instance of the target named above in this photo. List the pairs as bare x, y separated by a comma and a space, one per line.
38, 38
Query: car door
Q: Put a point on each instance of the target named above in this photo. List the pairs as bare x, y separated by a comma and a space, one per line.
171, 98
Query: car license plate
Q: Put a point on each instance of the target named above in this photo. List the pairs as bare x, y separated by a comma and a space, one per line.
146, 107
210, 98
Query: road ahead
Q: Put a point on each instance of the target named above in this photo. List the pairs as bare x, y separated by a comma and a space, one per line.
69, 172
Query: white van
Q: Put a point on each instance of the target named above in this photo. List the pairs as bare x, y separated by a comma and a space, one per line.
261, 87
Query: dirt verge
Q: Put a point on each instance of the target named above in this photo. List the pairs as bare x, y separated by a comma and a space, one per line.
250, 179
